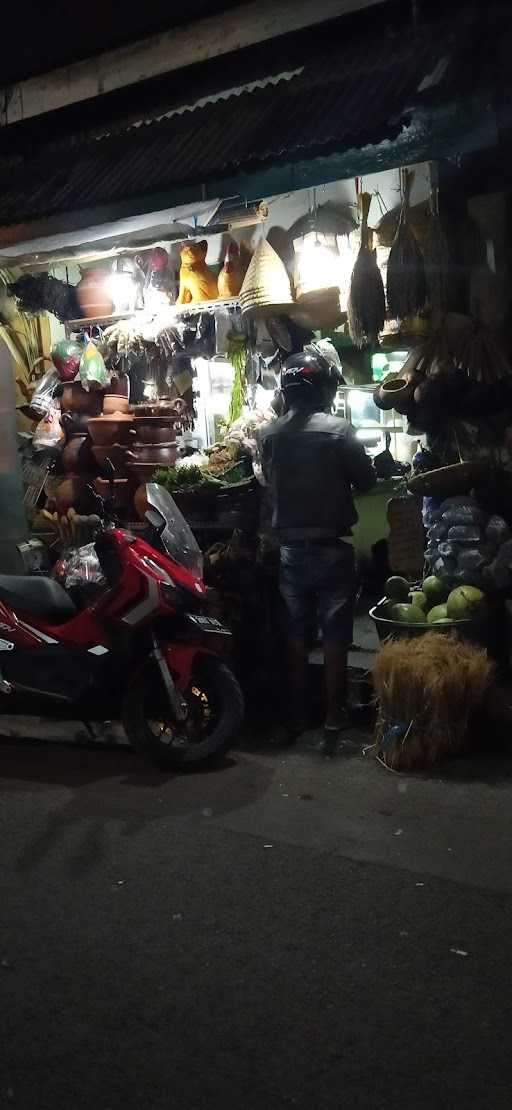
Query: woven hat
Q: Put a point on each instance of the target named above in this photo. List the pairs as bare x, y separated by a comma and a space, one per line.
266, 283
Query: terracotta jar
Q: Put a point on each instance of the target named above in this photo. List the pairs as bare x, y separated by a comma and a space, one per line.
76, 456
395, 393
114, 428
121, 491
112, 402
75, 399
93, 296
115, 452
159, 454
148, 433
73, 493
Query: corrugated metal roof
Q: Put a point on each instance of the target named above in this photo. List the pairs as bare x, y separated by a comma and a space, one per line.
345, 97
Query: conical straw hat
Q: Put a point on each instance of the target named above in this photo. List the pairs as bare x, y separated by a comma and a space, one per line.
266, 282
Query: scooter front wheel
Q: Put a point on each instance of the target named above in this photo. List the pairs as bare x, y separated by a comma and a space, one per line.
215, 713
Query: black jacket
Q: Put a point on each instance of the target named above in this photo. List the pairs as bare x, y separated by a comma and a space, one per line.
311, 461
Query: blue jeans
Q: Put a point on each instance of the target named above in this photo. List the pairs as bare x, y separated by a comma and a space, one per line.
317, 584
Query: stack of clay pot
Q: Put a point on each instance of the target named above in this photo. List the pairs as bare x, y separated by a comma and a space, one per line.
154, 440
97, 426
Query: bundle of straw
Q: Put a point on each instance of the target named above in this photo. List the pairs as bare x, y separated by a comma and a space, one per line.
406, 287
426, 698
367, 301
437, 259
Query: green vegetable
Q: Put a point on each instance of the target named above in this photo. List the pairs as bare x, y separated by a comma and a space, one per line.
237, 354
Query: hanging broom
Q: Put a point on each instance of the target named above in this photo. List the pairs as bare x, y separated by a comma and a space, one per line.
436, 253
406, 286
366, 302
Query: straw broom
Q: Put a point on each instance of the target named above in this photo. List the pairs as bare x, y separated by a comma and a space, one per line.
406, 285
427, 690
367, 301
437, 258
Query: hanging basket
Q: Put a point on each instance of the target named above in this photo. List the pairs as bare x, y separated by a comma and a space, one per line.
266, 287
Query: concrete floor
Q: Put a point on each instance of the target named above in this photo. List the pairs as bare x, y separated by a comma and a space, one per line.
283, 931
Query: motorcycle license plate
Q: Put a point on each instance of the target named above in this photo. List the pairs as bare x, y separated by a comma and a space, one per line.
208, 624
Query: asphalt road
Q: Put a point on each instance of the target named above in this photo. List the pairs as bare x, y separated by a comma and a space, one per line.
282, 932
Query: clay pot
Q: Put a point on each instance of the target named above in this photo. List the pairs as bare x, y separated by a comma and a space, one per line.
150, 433
395, 393
140, 501
116, 455
77, 456
73, 493
142, 471
114, 403
114, 428
159, 454
75, 423
75, 399
120, 489
93, 296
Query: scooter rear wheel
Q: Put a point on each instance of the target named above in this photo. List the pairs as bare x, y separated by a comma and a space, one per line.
215, 713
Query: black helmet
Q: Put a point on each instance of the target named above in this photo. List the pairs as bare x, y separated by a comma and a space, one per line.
311, 371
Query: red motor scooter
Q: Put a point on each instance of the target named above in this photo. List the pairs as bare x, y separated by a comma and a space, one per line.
142, 648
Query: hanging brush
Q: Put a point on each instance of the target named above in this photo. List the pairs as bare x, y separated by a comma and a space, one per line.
367, 302
406, 286
436, 252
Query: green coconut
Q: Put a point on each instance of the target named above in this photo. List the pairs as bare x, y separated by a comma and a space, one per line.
417, 597
438, 613
408, 614
385, 608
435, 591
465, 603
397, 588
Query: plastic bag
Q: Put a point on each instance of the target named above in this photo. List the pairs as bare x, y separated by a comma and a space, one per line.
465, 533
66, 358
49, 433
431, 553
462, 500
43, 393
93, 372
448, 549
497, 531
438, 532
83, 565
470, 558
444, 568
463, 514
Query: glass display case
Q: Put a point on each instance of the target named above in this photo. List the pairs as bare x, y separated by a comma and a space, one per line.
373, 424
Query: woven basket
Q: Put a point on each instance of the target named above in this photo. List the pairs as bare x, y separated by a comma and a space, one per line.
266, 283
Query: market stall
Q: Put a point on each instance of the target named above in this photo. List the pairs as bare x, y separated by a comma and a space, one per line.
166, 362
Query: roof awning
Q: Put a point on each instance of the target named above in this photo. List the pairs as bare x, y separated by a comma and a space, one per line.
110, 238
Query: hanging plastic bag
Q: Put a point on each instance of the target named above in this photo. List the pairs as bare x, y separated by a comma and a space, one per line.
465, 533
43, 393
464, 514
437, 532
66, 357
93, 372
49, 434
497, 531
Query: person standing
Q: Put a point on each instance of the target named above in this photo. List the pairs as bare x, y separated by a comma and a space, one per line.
311, 461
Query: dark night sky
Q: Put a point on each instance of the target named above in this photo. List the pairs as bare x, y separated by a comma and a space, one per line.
49, 33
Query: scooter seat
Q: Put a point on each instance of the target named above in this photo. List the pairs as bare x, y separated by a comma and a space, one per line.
37, 597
